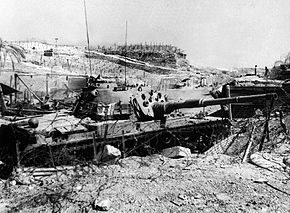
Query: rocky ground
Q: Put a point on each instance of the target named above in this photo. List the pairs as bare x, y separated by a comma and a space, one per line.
198, 183
157, 184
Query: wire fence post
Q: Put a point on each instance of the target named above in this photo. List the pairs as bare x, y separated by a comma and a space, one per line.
17, 153
266, 126
15, 86
123, 143
95, 146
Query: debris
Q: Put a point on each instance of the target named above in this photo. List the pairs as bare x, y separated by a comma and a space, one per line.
109, 153
176, 152
261, 180
176, 202
182, 196
103, 205
266, 161
41, 172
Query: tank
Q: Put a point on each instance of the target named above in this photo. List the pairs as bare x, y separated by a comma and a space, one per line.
151, 128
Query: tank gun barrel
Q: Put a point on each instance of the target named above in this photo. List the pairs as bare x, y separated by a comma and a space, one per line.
162, 108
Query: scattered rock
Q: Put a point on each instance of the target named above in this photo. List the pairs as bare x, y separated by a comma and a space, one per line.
103, 205
79, 188
176, 152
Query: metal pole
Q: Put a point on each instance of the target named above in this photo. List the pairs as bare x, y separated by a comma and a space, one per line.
245, 157
11, 82
46, 85
15, 85
17, 154
228, 95
125, 53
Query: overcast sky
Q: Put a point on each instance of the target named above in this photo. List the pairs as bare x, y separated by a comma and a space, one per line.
218, 33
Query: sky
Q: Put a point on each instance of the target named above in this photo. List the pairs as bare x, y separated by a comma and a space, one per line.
216, 33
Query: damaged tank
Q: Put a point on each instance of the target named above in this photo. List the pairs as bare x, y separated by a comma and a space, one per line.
150, 124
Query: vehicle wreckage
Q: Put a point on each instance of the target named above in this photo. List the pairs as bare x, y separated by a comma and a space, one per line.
148, 124
275, 81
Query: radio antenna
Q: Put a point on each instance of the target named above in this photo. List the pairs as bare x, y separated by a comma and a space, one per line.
88, 38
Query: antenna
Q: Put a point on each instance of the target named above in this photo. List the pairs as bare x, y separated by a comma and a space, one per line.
88, 39
125, 52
